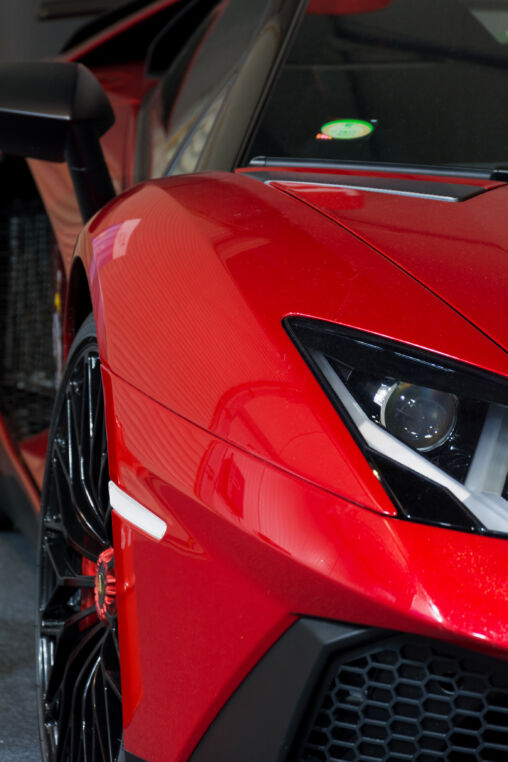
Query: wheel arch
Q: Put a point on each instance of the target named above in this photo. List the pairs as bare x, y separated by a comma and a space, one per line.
78, 302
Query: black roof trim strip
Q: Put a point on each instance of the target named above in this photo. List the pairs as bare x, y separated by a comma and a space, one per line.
407, 169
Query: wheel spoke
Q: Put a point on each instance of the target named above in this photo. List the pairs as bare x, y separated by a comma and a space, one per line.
87, 722
70, 647
80, 473
74, 430
86, 676
64, 623
64, 497
75, 517
79, 658
87, 423
111, 664
100, 705
68, 700
99, 463
79, 429
66, 575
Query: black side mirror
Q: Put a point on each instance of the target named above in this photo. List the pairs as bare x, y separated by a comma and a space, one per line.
58, 112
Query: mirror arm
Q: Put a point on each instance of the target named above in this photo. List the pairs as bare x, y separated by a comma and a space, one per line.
89, 173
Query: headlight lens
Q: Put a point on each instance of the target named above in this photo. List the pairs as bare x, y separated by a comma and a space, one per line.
435, 431
423, 418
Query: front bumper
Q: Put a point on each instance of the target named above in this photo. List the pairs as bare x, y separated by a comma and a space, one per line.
331, 692
251, 548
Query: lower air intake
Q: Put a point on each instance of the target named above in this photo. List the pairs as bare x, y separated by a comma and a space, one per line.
408, 698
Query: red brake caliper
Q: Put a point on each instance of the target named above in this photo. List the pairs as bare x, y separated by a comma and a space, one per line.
103, 594
105, 586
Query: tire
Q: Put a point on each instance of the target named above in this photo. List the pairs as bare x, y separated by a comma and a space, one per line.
77, 652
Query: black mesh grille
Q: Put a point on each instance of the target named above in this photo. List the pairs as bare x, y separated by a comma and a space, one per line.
27, 363
409, 699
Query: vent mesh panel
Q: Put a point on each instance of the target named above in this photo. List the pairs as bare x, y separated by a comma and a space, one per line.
27, 365
410, 699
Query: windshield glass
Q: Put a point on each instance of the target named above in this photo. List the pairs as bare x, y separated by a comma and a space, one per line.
401, 81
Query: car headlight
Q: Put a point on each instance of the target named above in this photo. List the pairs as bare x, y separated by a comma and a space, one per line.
435, 431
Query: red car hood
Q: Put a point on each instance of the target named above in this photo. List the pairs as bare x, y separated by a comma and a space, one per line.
456, 249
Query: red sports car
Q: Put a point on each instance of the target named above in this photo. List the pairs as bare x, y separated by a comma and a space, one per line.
259, 401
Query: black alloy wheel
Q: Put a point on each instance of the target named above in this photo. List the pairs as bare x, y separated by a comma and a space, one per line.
77, 652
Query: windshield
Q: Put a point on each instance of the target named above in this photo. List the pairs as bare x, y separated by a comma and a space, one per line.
402, 81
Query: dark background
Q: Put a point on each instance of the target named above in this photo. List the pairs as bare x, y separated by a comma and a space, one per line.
23, 36
19, 740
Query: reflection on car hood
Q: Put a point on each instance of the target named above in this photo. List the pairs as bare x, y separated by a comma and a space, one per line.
456, 248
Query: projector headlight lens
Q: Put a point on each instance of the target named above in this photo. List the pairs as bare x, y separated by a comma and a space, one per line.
434, 430
423, 418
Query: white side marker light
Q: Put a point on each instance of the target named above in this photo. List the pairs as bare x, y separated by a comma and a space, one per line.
132, 511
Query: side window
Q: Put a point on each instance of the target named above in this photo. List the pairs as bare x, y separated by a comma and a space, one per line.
186, 159
195, 90
167, 134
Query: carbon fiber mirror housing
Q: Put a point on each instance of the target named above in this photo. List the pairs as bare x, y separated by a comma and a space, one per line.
57, 112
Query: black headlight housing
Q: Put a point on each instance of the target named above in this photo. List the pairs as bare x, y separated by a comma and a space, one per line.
434, 431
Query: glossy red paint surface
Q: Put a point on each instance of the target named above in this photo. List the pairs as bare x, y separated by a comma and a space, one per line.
434, 241
194, 644
213, 280
249, 547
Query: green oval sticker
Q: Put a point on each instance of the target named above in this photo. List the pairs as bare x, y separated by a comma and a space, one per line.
347, 129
